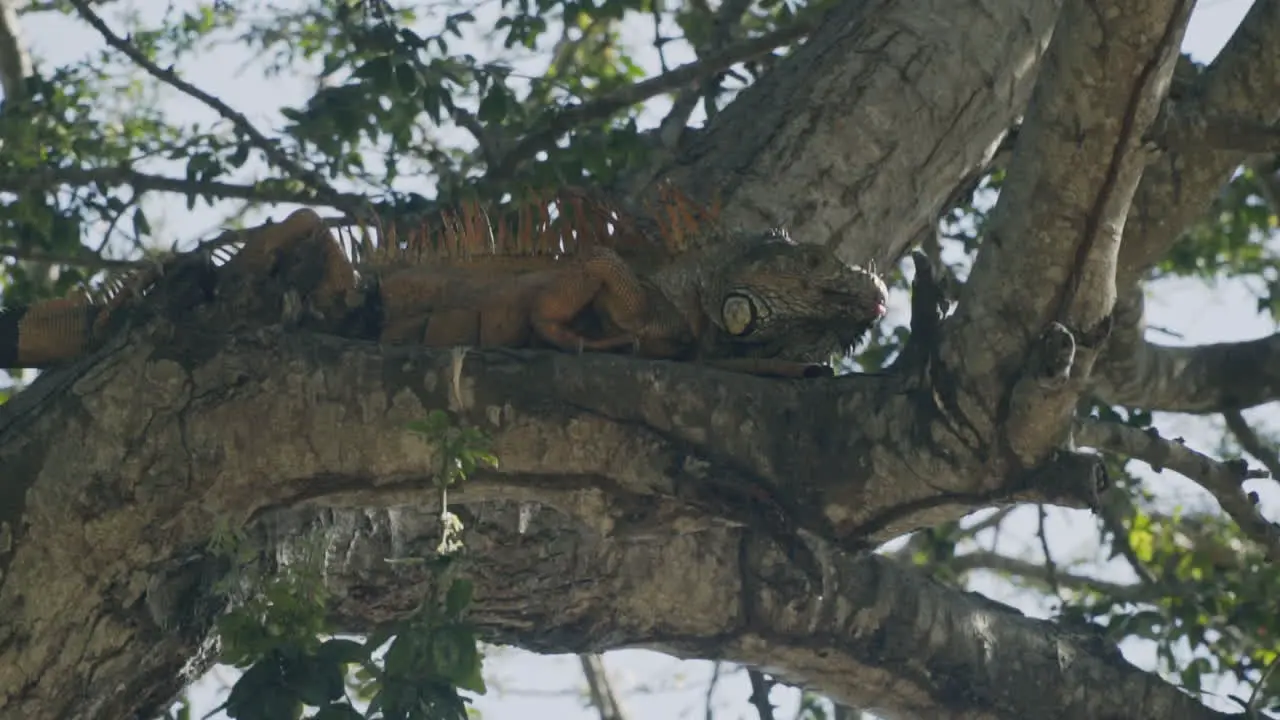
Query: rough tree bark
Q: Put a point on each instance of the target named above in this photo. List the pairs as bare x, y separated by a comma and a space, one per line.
650, 477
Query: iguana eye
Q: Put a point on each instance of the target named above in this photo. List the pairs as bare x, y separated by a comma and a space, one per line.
740, 314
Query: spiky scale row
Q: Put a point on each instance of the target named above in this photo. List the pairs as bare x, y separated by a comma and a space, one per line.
580, 221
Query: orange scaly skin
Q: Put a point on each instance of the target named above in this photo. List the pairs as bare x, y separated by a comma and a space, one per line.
462, 297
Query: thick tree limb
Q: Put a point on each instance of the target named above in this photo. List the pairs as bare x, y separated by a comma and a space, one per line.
15, 59
119, 467
1246, 135
879, 636
1242, 82
1198, 379
1038, 302
876, 636
837, 156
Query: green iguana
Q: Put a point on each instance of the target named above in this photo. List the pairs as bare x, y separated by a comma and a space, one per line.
753, 302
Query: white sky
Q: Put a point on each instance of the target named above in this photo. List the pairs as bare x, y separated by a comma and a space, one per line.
524, 686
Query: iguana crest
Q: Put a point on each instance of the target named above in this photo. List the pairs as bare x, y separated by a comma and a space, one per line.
547, 224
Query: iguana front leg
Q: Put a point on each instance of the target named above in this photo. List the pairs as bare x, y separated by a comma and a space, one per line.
600, 279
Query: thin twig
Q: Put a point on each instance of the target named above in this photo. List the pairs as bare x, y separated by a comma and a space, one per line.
470, 123
760, 687
1250, 441
1256, 696
602, 697
46, 178
87, 260
1038, 573
728, 19
1050, 568
1124, 548
711, 687
990, 521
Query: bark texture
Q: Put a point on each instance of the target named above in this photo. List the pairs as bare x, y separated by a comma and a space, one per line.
836, 157
701, 513
645, 536
1176, 189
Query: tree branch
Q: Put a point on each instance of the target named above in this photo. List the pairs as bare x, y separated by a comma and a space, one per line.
15, 59
783, 154
1223, 480
1037, 573
87, 259
1037, 305
269, 192
571, 436
880, 636
1198, 379
544, 135
1242, 82
274, 154
602, 697
1186, 130
760, 688
1251, 443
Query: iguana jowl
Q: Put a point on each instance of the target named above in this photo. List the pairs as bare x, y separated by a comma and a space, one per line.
755, 302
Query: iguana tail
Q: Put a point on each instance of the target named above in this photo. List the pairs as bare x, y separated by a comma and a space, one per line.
52, 332
46, 333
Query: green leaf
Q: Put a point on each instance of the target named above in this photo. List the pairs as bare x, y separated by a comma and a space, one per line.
472, 680
315, 681
494, 106
401, 656
407, 79
458, 597
378, 71
453, 650
259, 693
339, 650
140, 225
338, 711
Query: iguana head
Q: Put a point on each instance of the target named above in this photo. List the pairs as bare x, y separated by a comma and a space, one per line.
772, 297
